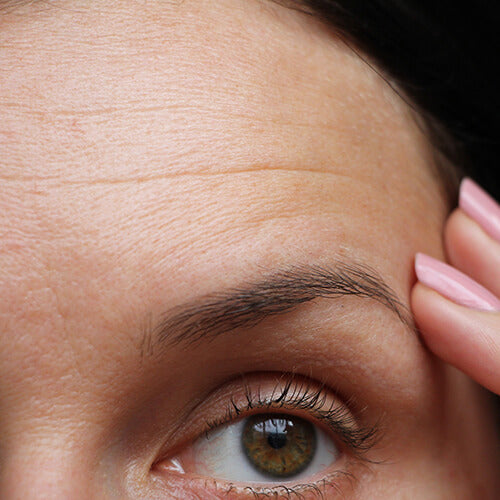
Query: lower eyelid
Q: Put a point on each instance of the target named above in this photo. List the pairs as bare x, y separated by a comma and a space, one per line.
334, 486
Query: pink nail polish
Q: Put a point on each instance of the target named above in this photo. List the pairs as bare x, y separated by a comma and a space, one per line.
454, 285
481, 207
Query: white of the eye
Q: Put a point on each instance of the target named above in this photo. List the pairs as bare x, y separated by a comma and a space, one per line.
220, 455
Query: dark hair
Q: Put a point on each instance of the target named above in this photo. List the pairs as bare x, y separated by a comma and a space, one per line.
441, 55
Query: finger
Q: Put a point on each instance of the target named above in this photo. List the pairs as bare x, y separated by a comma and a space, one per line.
472, 236
454, 284
471, 250
467, 337
463, 337
481, 207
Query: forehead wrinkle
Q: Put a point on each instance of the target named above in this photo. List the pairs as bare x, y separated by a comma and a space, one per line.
54, 181
20, 8
10, 5
243, 141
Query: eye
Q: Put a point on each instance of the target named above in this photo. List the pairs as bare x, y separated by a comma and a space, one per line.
265, 448
277, 436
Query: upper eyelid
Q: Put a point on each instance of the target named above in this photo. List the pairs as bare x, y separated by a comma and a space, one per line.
292, 397
204, 418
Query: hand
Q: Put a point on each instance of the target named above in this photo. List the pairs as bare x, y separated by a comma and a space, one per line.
457, 309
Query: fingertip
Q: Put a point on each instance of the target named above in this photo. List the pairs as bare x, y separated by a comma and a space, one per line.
455, 227
419, 295
480, 206
460, 236
463, 337
427, 307
454, 284
471, 250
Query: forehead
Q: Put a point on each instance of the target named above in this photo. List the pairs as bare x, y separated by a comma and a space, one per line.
187, 142
188, 87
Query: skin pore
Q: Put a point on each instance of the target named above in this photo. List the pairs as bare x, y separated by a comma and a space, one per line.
157, 154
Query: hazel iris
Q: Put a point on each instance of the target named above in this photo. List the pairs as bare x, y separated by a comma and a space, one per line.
278, 445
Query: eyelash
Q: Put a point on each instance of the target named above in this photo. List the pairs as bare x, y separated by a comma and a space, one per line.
297, 491
297, 394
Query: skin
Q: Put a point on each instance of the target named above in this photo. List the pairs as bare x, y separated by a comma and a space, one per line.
155, 152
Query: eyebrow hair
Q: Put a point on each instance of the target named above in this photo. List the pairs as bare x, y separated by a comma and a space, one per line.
221, 312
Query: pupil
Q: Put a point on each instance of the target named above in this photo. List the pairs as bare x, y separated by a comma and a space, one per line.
277, 440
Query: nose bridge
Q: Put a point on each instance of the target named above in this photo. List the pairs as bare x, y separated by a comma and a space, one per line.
45, 463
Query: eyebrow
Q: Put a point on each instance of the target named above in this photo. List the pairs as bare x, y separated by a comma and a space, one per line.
278, 292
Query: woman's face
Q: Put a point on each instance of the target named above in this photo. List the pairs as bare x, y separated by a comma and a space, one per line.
208, 216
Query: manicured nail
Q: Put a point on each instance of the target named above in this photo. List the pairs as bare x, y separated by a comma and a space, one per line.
454, 285
481, 207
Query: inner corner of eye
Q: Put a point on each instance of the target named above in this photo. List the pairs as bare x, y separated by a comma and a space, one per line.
261, 448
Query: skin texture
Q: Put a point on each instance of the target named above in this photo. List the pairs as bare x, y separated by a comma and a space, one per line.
152, 153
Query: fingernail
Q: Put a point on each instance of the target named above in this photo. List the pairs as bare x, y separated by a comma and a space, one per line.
481, 207
454, 285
